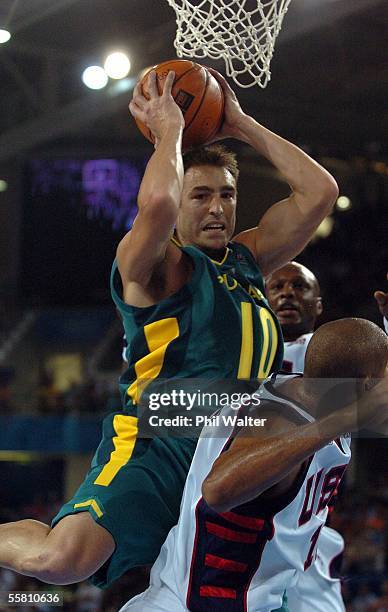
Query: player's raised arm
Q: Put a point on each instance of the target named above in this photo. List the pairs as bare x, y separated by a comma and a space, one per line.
160, 192
259, 460
287, 226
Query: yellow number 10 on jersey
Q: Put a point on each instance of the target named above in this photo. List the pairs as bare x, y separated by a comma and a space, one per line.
270, 341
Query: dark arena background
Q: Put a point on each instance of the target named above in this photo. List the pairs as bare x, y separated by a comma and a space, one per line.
71, 161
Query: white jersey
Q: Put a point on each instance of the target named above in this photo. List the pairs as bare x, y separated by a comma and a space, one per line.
318, 589
294, 353
242, 560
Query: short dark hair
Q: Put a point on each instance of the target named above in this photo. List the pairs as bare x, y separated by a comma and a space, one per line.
212, 155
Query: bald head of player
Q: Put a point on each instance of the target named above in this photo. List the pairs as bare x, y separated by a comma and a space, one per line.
348, 348
294, 295
353, 350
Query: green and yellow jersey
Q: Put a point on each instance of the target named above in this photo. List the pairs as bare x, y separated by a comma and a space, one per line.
217, 326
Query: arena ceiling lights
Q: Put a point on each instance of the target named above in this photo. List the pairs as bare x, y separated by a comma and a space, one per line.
94, 77
116, 66
5, 35
343, 203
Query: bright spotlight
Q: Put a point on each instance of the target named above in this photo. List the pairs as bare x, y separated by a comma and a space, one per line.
325, 228
3, 185
94, 77
4, 36
344, 203
117, 65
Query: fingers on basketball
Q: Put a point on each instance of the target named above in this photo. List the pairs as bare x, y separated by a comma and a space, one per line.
152, 87
169, 83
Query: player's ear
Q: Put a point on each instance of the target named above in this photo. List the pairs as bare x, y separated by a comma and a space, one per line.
319, 306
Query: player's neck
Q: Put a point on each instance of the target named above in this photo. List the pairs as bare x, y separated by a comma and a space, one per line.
215, 254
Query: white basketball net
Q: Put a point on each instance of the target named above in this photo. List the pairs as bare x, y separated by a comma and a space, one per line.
242, 32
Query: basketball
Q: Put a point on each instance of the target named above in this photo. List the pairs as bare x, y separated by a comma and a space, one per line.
198, 95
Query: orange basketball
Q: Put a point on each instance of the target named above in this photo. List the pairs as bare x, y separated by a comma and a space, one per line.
198, 95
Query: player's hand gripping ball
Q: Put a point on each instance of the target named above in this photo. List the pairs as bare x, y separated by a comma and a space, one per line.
199, 96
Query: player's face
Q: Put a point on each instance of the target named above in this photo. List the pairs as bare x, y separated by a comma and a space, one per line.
208, 209
293, 295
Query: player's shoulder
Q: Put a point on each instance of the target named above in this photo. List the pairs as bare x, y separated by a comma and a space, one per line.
180, 270
242, 249
245, 262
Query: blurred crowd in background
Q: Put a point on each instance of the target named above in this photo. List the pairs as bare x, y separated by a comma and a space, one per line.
90, 397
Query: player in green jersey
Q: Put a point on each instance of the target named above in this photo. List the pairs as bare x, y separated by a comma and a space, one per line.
192, 308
